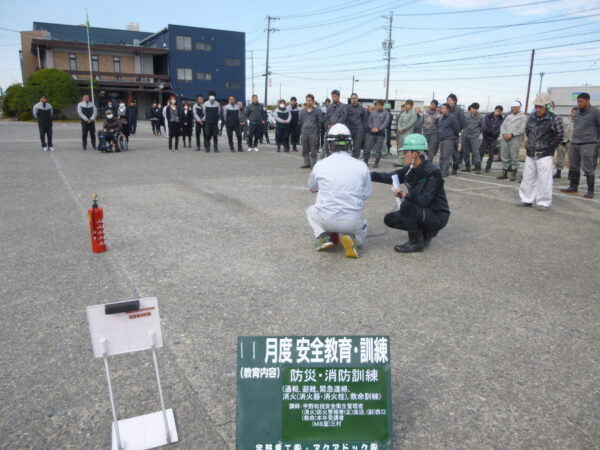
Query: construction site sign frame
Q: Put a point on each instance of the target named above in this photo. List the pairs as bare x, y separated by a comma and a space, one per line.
314, 393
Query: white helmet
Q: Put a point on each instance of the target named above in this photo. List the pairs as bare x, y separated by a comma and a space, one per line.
339, 135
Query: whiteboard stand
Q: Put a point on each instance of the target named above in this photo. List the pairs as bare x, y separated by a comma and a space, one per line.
125, 327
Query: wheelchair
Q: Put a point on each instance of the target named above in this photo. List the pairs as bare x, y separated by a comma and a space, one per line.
109, 141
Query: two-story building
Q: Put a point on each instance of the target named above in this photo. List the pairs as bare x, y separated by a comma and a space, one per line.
134, 65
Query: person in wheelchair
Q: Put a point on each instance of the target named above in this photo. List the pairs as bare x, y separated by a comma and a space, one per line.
111, 130
123, 116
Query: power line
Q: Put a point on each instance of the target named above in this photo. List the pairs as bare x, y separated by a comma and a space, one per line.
323, 11
518, 24
464, 11
501, 53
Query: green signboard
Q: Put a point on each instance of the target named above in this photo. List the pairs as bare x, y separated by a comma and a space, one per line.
314, 393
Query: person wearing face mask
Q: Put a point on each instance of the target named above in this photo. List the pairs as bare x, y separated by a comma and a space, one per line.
111, 128
123, 116
187, 124
294, 123
173, 119
231, 117
110, 106
283, 116
211, 110
155, 119
199, 119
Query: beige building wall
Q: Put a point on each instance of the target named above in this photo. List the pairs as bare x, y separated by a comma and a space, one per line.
30, 59
105, 63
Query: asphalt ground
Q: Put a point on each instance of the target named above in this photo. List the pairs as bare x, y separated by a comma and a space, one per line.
494, 329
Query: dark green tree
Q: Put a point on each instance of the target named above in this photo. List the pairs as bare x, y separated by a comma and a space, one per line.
58, 86
14, 101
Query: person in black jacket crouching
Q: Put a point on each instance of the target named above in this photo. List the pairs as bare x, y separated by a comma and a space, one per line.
424, 207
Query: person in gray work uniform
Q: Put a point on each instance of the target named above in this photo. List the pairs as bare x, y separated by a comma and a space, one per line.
377, 123
470, 138
356, 121
254, 112
42, 111
311, 119
336, 111
231, 117
88, 112
431, 128
583, 152
458, 112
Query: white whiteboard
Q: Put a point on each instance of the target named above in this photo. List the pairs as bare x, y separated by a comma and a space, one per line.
125, 332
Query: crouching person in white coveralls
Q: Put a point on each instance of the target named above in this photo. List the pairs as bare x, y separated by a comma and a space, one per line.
342, 184
544, 131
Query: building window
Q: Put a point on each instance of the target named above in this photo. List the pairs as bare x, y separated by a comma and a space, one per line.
232, 62
184, 74
204, 46
72, 61
232, 84
117, 64
203, 76
183, 43
95, 64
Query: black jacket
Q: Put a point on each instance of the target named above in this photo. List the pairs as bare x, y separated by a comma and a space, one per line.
186, 117
425, 186
544, 134
491, 126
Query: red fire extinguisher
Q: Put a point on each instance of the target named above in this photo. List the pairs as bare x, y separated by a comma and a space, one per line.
96, 216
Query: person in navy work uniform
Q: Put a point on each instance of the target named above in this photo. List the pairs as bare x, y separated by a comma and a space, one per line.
212, 111
88, 112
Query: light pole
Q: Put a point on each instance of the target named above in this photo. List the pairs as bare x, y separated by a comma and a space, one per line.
541, 78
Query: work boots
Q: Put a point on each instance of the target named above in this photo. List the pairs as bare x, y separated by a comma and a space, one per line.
467, 168
504, 175
376, 165
574, 176
557, 174
488, 165
513, 176
415, 243
455, 169
428, 236
478, 168
590, 183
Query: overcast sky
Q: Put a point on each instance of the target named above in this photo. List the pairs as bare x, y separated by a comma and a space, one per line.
440, 46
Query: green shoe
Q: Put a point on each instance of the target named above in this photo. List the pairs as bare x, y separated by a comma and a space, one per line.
323, 242
350, 245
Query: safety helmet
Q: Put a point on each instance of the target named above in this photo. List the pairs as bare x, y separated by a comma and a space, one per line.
339, 135
415, 143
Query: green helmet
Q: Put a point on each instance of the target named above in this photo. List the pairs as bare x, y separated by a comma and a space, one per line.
415, 143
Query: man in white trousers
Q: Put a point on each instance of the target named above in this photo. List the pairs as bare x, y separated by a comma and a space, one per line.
342, 184
544, 132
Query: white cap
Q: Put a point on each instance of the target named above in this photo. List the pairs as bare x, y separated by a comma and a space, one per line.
516, 103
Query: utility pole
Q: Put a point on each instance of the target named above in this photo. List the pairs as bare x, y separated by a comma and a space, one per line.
269, 30
353, 81
541, 78
387, 47
529, 82
252, 59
